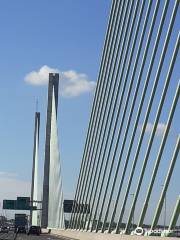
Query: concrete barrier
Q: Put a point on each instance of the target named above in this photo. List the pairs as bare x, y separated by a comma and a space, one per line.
78, 235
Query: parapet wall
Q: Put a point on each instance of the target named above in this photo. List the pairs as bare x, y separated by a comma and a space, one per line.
78, 235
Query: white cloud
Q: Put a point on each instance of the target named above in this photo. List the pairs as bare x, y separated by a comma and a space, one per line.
159, 131
72, 84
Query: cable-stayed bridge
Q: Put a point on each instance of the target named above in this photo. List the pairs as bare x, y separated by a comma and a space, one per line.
129, 175
133, 140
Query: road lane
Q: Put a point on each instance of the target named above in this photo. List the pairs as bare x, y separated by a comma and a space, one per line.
41, 237
7, 236
12, 236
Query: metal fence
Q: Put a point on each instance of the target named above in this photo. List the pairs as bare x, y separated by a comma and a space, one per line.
129, 170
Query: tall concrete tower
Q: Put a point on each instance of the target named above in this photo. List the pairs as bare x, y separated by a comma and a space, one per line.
52, 203
34, 184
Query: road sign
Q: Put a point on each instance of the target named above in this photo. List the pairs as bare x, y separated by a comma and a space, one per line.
82, 208
9, 204
23, 203
68, 204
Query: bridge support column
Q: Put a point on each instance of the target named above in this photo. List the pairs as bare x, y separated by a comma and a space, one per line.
34, 184
52, 204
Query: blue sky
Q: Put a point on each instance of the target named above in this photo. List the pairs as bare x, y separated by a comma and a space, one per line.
67, 35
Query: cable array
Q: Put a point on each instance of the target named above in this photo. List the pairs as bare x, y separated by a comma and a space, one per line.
137, 95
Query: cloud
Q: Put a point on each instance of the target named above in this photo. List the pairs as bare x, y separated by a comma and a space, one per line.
159, 131
40, 77
72, 83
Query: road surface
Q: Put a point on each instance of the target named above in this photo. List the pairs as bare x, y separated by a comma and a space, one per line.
11, 236
41, 237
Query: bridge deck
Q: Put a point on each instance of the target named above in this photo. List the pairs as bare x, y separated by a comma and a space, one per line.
78, 235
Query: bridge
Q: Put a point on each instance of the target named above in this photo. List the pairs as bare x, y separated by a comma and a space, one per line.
121, 164
128, 180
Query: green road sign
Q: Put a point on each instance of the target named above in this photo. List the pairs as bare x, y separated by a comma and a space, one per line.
22, 203
9, 204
